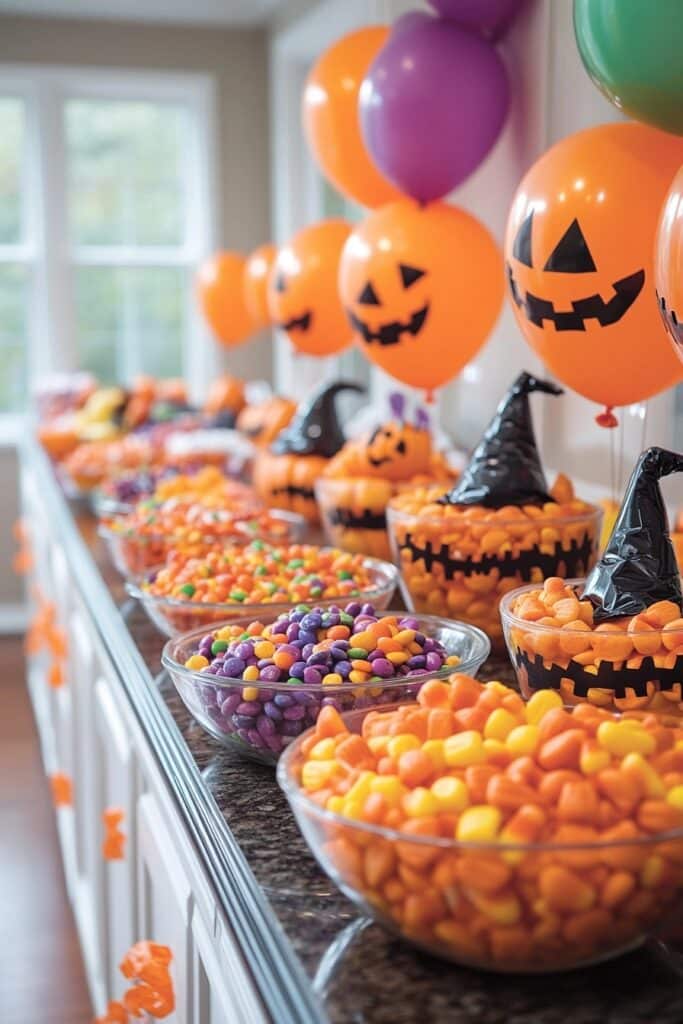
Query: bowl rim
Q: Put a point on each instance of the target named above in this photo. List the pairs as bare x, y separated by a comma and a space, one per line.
293, 519
479, 637
508, 618
592, 512
297, 798
377, 565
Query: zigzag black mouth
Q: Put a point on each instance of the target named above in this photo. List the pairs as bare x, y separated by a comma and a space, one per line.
543, 677
292, 491
349, 520
593, 307
675, 327
392, 333
576, 560
300, 323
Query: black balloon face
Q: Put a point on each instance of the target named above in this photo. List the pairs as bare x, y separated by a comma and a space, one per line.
390, 293
547, 291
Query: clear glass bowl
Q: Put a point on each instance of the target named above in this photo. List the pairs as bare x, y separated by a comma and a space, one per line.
275, 713
135, 555
172, 616
492, 905
462, 567
106, 507
626, 671
353, 513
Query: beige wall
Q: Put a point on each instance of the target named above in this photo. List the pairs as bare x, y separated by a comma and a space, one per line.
238, 62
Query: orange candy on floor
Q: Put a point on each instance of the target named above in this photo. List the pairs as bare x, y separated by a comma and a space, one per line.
471, 764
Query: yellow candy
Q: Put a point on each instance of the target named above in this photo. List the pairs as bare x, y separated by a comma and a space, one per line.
501, 909
420, 803
397, 657
264, 649
539, 703
398, 745
494, 748
651, 871
323, 750
435, 752
594, 760
388, 786
499, 724
625, 737
316, 774
332, 679
463, 749
251, 693
522, 740
654, 787
378, 744
196, 662
336, 804
479, 824
361, 787
405, 636
451, 793
250, 673
675, 797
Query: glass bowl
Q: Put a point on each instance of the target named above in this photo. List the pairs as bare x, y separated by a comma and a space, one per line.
136, 554
463, 565
105, 507
173, 616
274, 713
353, 513
491, 905
626, 670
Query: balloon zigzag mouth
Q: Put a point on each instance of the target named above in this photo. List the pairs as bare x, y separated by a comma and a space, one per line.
592, 307
297, 323
391, 333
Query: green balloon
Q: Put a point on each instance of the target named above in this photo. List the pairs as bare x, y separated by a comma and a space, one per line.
633, 51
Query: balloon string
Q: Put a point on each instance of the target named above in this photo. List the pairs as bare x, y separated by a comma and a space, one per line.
620, 464
612, 476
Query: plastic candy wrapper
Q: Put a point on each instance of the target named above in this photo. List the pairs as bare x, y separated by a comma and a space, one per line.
505, 468
638, 567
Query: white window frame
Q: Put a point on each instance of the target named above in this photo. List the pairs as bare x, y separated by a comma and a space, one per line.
46, 249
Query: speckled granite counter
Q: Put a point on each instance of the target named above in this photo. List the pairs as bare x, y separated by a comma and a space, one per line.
357, 973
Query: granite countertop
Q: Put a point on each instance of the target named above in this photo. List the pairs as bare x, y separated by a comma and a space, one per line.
361, 974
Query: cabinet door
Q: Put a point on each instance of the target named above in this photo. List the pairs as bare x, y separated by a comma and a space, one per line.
118, 790
164, 901
212, 999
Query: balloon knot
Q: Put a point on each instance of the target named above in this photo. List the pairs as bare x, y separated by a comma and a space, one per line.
607, 419
429, 396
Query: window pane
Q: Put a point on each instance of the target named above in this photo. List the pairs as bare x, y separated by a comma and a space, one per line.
126, 172
130, 320
14, 287
11, 163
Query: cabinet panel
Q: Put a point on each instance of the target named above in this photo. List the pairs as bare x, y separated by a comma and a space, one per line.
212, 1001
118, 790
165, 901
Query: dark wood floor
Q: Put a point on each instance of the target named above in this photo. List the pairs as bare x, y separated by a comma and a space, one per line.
41, 972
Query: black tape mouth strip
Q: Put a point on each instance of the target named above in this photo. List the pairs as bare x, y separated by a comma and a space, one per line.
544, 677
391, 333
297, 323
576, 560
291, 491
350, 520
593, 307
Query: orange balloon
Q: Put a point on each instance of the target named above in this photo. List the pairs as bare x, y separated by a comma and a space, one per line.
422, 287
302, 289
579, 258
256, 270
330, 117
669, 263
221, 296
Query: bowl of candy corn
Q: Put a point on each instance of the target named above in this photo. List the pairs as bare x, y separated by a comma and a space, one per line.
510, 836
257, 684
249, 580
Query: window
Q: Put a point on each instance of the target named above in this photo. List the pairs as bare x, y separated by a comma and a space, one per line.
104, 214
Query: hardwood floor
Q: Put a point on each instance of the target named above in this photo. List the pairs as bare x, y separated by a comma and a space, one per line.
41, 972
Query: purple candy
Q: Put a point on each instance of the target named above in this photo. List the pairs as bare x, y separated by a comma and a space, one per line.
343, 668
292, 728
419, 661
293, 631
312, 676
233, 667
230, 704
383, 667
244, 650
249, 707
243, 721
271, 673
265, 726
433, 661
294, 713
283, 700
254, 738
297, 669
304, 697
273, 711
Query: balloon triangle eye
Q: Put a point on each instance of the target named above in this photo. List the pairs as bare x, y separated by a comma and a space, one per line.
280, 283
571, 255
409, 275
521, 249
368, 296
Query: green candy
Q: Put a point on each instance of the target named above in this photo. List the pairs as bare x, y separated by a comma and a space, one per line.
188, 588
293, 681
295, 563
344, 574
218, 646
237, 595
357, 652
346, 619
260, 570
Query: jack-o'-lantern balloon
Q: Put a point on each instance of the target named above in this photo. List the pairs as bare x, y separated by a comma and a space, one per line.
579, 261
255, 282
262, 422
220, 293
669, 263
422, 287
302, 289
284, 476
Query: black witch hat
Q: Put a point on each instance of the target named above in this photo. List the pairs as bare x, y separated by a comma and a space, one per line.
505, 468
315, 430
638, 566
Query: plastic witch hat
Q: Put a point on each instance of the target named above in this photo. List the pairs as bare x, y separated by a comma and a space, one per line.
638, 566
315, 430
505, 468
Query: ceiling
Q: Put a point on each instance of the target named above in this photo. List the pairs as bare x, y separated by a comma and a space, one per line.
191, 12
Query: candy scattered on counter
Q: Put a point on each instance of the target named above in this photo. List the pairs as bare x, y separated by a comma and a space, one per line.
311, 658
472, 762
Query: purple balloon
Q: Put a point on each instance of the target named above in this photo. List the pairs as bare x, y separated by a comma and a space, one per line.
432, 105
491, 18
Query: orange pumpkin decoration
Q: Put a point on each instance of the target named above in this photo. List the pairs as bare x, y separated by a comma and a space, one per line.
262, 422
225, 400
284, 476
358, 483
422, 287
